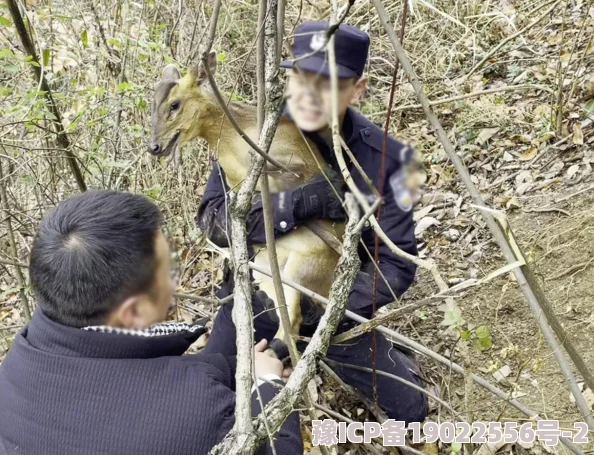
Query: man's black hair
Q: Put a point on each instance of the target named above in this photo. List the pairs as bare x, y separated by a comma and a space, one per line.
91, 252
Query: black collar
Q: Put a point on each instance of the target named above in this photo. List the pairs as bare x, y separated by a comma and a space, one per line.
48, 336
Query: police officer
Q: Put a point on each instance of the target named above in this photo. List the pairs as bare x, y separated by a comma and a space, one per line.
309, 107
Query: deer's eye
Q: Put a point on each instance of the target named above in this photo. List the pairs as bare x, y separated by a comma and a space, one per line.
174, 106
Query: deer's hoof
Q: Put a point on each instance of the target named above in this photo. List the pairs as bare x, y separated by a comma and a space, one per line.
279, 348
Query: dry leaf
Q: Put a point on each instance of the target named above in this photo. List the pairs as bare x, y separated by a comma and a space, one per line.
423, 212
522, 188
502, 374
430, 449
546, 137
572, 171
529, 154
523, 138
425, 224
485, 135
578, 136
513, 203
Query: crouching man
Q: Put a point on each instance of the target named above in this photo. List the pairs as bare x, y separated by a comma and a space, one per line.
95, 371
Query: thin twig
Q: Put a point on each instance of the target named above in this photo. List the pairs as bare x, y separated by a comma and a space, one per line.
242, 309
388, 317
199, 298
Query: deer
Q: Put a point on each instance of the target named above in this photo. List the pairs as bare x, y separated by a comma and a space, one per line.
184, 110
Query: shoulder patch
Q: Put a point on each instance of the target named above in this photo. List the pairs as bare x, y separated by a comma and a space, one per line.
401, 193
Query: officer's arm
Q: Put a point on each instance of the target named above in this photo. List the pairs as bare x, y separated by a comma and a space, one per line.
313, 200
289, 439
215, 221
399, 273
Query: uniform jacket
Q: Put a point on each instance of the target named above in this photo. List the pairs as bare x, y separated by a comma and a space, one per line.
365, 140
65, 390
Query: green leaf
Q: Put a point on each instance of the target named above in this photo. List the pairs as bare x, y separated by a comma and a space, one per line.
153, 192
456, 447
11, 68
590, 106
4, 21
483, 332
486, 343
84, 37
465, 335
46, 57
6, 53
221, 57
123, 87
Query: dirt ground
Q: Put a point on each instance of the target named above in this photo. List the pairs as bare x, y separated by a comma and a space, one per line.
561, 249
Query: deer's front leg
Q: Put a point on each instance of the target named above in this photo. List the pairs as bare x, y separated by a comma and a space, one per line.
278, 345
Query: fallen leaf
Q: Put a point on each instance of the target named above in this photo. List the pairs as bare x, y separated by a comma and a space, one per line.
529, 154
508, 157
578, 135
423, 212
486, 134
425, 224
524, 176
430, 449
546, 137
588, 396
502, 374
523, 138
522, 188
572, 171
513, 203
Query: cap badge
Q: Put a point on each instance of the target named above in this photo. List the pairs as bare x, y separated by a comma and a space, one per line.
318, 41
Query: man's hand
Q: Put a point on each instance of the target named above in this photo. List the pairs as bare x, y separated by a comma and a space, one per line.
264, 364
320, 198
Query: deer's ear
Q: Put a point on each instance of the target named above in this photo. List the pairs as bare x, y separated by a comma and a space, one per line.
199, 71
170, 73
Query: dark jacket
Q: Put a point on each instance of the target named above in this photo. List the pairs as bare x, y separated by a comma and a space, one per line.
365, 140
65, 390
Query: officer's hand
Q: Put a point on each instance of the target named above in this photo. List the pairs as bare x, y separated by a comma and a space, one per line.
311, 313
261, 302
320, 198
264, 364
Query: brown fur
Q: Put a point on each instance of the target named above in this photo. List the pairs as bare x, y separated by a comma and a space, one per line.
303, 256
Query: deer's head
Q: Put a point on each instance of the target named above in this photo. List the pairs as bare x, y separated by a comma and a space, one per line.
179, 108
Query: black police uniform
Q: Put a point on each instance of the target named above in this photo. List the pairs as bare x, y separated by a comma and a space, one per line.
365, 140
